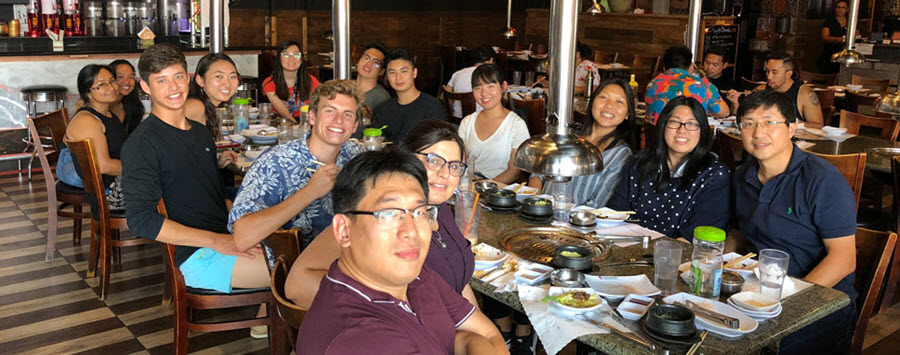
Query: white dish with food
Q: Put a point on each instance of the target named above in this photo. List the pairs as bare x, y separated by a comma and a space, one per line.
522, 191
755, 301
617, 287
532, 273
574, 300
746, 323
487, 257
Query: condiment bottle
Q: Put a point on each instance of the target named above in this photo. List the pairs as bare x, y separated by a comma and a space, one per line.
372, 138
634, 86
241, 111
706, 261
589, 82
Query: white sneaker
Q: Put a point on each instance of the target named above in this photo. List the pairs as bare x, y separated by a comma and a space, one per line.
259, 332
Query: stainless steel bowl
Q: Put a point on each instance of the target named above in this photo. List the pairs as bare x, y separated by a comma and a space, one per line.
482, 187
582, 218
566, 278
732, 283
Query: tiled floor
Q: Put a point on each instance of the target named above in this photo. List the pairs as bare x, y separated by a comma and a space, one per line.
51, 308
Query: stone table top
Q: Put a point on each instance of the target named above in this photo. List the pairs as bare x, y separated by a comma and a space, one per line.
800, 309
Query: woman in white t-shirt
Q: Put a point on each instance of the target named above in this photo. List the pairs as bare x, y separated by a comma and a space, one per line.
493, 134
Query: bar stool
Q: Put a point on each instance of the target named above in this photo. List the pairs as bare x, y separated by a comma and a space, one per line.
40, 99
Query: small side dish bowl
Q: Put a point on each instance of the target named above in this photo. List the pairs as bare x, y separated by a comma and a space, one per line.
754, 301
502, 198
485, 186
582, 218
538, 207
573, 257
566, 278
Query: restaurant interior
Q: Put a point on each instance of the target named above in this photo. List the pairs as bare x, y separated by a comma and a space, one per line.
75, 282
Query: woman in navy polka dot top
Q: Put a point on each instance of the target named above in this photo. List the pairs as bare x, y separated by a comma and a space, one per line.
677, 184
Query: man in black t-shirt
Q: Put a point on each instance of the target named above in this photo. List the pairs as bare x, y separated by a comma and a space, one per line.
714, 64
172, 158
410, 106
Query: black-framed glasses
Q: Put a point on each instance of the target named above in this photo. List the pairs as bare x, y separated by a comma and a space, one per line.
103, 86
287, 55
376, 63
689, 125
394, 217
763, 124
436, 162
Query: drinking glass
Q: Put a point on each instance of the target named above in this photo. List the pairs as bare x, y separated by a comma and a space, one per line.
529, 78
773, 268
666, 259
265, 111
465, 205
517, 78
560, 203
285, 132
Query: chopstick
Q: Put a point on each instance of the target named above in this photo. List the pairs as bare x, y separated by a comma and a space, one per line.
738, 260
696, 346
516, 190
311, 170
614, 212
318, 162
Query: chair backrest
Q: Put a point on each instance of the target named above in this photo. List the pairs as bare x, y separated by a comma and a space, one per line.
651, 63
466, 99
54, 124
83, 151
854, 101
447, 57
540, 49
873, 255
173, 273
601, 57
895, 171
731, 150
650, 132
750, 84
291, 313
502, 61
644, 70
827, 114
852, 166
826, 97
871, 83
817, 78
285, 243
535, 115
852, 121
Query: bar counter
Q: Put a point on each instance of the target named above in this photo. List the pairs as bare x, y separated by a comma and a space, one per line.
800, 309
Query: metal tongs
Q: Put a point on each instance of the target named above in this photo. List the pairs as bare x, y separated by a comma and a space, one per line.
607, 238
727, 321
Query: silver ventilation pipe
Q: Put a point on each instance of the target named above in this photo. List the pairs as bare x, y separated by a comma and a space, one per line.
558, 154
340, 24
217, 26
695, 26
510, 31
848, 55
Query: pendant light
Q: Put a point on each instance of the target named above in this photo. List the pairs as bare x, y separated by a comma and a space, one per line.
848, 55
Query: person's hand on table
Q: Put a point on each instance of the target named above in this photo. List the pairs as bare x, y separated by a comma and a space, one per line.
323, 180
227, 157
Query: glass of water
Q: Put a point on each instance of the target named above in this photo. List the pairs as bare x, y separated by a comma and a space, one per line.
773, 268
561, 203
666, 259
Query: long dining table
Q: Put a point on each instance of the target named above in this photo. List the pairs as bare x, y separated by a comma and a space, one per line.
800, 309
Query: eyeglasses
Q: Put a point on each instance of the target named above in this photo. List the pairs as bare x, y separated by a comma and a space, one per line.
377, 63
689, 125
764, 124
287, 55
394, 217
436, 163
103, 86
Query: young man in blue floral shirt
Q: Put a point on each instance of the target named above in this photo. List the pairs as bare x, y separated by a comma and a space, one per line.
289, 186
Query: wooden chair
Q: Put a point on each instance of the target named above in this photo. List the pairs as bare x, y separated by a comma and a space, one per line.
873, 254
540, 49
826, 97
827, 114
285, 243
852, 121
880, 85
855, 102
188, 299
750, 84
731, 150
852, 166
535, 114
447, 57
466, 99
644, 70
285, 248
894, 277
817, 78
601, 57
105, 230
59, 194
650, 132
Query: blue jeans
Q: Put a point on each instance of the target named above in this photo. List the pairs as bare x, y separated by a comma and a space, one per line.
65, 169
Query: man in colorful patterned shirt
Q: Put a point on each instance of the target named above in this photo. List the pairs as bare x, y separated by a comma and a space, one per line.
677, 80
289, 186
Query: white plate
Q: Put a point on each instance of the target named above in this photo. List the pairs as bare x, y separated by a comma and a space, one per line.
617, 287
766, 304
747, 266
834, 130
523, 193
560, 290
634, 311
263, 139
487, 257
747, 324
532, 273
757, 315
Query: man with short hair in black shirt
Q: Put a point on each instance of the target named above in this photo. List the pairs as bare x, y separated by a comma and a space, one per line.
174, 159
411, 105
714, 64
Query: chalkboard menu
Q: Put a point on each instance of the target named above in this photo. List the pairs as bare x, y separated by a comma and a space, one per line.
725, 36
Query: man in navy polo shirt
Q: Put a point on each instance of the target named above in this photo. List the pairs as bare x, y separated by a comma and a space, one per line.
378, 298
793, 201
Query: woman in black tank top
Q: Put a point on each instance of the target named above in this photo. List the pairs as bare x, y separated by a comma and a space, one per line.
98, 90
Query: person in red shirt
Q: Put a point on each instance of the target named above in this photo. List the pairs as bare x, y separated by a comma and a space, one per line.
287, 99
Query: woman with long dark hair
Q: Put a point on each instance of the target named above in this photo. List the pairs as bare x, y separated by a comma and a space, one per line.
289, 86
677, 184
612, 127
834, 32
215, 82
128, 106
99, 89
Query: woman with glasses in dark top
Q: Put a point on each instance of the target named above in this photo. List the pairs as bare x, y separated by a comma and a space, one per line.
128, 106
289, 86
677, 183
441, 150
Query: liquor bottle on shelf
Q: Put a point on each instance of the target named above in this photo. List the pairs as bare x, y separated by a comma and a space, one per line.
34, 19
49, 17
